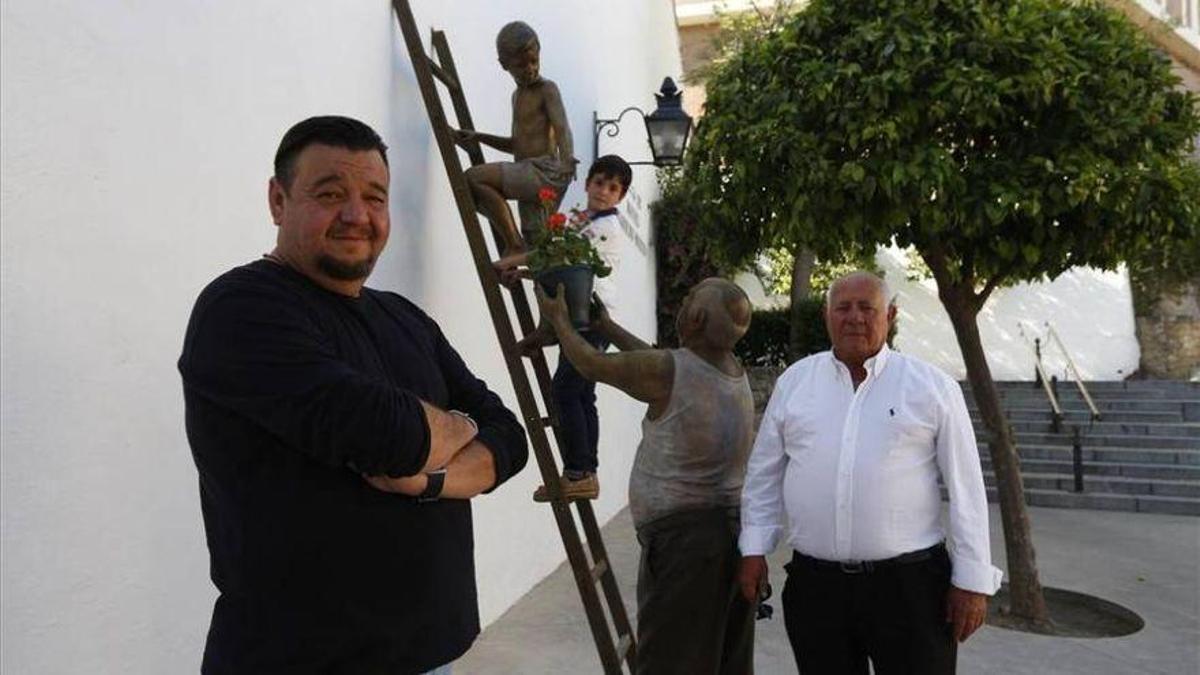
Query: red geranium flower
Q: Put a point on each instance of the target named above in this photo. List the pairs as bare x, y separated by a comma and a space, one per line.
547, 194
556, 221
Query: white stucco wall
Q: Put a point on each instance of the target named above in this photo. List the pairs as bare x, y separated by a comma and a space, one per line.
1092, 311
137, 140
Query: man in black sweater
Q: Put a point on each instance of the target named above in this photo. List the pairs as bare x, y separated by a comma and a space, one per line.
338, 438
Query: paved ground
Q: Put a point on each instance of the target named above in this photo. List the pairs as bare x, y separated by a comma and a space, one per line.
1148, 563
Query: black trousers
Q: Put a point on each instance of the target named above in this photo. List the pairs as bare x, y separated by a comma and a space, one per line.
692, 619
895, 616
578, 421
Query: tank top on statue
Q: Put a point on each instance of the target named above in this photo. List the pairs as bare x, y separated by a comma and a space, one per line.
694, 455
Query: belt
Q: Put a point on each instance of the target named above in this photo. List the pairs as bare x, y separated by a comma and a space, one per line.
868, 566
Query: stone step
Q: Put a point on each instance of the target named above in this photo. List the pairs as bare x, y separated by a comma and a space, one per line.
1182, 443
1104, 428
1031, 466
1109, 502
1073, 399
1188, 410
1105, 501
1106, 454
1106, 484
1109, 385
1084, 415
1071, 392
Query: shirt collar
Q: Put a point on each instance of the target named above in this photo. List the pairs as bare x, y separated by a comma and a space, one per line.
601, 213
873, 365
876, 364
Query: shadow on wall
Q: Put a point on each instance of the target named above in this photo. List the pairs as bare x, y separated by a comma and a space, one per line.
1091, 310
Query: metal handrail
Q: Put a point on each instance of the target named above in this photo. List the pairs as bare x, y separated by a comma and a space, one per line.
1047, 383
1033, 343
1072, 369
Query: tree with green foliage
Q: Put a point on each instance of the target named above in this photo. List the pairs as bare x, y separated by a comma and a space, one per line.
1005, 140
792, 270
684, 255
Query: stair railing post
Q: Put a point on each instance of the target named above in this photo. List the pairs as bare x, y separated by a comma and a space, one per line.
1077, 458
1037, 371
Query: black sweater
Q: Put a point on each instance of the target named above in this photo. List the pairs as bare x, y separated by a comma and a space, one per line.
286, 386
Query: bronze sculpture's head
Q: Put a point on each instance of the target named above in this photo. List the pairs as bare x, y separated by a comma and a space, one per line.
519, 51
715, 313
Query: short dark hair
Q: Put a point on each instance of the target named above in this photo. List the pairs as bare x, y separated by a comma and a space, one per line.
612, 166
332, 130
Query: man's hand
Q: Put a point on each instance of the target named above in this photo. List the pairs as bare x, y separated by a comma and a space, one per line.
965, 611
405, 485
752, 574
554, 310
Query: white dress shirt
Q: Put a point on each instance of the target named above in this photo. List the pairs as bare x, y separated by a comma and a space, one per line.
857, 470
605, 233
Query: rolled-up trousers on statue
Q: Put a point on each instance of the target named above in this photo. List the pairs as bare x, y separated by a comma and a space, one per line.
892, 612
692, 619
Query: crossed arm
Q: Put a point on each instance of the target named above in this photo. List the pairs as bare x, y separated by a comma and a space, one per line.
254, 351
469, 465
480, 452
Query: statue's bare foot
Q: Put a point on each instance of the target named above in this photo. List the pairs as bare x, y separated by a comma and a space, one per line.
511, 250
543, 336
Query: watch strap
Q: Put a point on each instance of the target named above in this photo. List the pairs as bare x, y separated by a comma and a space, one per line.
433, 488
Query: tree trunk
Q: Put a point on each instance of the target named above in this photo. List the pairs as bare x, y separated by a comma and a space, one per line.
803, 261
1024, 588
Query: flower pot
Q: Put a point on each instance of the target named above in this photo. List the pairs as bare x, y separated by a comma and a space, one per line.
577, 285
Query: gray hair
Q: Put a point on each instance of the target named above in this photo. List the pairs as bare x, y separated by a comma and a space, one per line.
884, 290
513, 39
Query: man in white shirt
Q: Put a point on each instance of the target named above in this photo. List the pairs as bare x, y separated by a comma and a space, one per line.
851, 447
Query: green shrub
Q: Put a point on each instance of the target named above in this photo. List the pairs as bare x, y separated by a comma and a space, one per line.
766, 343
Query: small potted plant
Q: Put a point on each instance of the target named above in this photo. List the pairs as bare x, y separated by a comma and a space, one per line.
563, 252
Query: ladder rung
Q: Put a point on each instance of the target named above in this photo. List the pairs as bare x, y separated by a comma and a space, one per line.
599, 570
623, 646
442, 75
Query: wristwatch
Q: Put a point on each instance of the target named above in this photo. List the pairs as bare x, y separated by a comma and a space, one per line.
433, 488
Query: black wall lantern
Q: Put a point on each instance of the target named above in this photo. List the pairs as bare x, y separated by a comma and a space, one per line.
667, 128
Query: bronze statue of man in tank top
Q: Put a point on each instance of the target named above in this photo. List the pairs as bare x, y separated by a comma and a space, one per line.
685, 488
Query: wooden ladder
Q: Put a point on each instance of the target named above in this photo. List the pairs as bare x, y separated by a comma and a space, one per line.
587, 573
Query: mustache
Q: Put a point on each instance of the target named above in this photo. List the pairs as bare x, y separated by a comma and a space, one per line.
352, 231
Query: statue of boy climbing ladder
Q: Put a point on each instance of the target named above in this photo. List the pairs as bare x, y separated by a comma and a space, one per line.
541, 144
